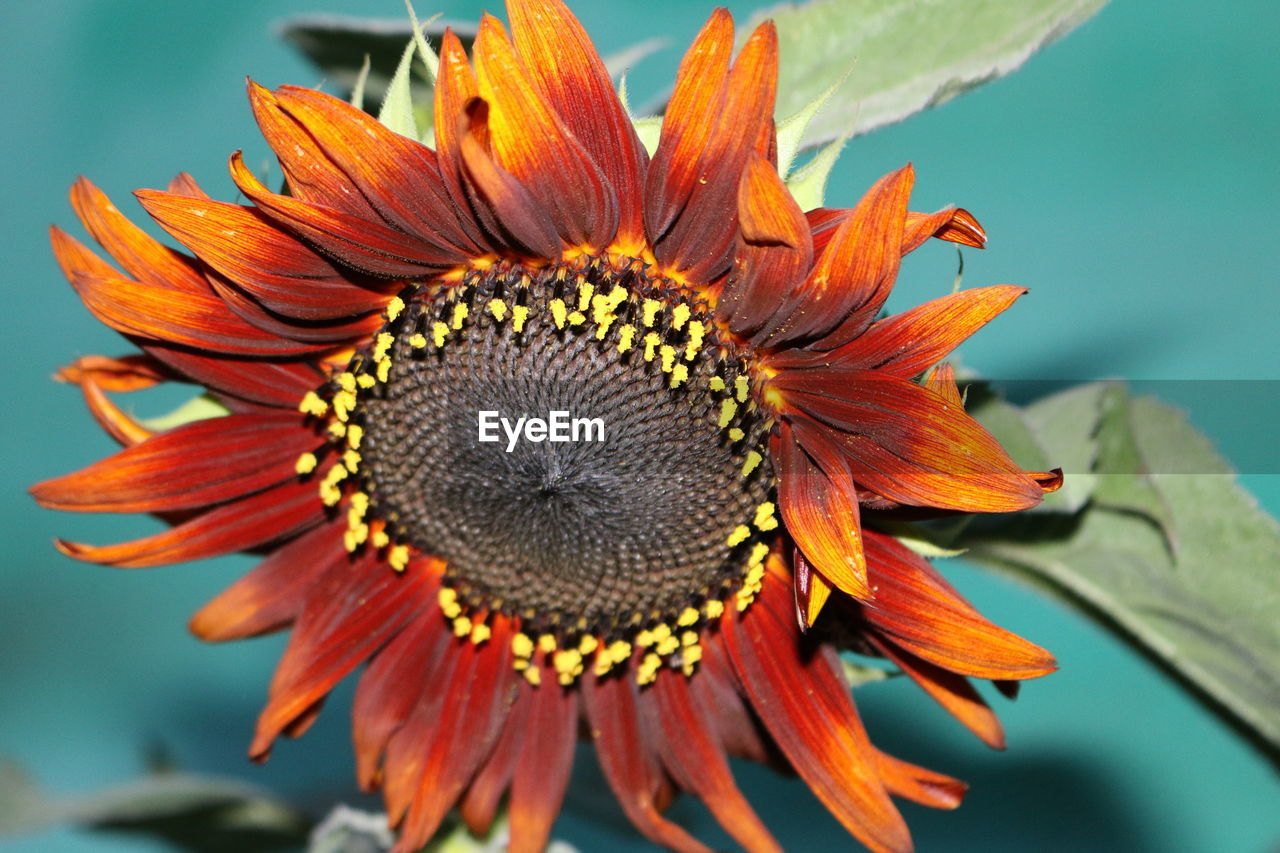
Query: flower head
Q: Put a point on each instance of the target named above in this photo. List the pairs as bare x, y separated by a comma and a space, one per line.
663, 583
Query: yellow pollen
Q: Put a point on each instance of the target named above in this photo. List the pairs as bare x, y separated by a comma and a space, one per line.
558, 312
728, 409
651, 342
668, 353
679, 374
447, 598
439, 331
382, 345
741, 386
689, 638
522, 646
647, 671
585, 292
359, 505
398, 557
384, 369
347, 382
619, 650
577, 318
625, 336
758, 553
547, 643
753, 459
355, 433
418, 340
312, 404
688, 617
461, 626
337, 429
344, 402
738, 536
736, 434
668, 646
644, 639
533, 675
380, 539
651, 309
715, 383
394, 307
713, 608
459, 314
588, 644
696, 332
481, 633
566, 661
306, 463
349, 541
764, 519
519, 313
351, 459
366, 381
680, 315
660, 632
498, 309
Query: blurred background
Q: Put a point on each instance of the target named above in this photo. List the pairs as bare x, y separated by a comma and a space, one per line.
1127, 175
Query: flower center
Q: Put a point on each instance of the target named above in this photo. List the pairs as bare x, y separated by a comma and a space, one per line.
576, 442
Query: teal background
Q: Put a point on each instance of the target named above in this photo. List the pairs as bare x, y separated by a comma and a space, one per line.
1127, 174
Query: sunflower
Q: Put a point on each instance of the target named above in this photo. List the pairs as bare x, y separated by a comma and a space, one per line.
679, 581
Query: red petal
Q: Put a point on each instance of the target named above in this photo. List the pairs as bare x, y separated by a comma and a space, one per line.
272, 595
954, 224
920, 611
120, 426
455, 87
564, 64
194, 465
127, 373
272, 383
269, 516
819, 505
363, 244
904, 441
530, 141
699, 242
271, 265
625, 749
911, 342
141, 256
855, 272
390, 688
697, 762
352, 610
953, 692
520, 218
318, 335
399, 176
802, 698
773, 254
688, 124
461, 736
541, 773
903, 779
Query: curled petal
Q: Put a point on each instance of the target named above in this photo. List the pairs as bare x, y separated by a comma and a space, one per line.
573, 80
530, 141
953, 224
953, 692
127, 373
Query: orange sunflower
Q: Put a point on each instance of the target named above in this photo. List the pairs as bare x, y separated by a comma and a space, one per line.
655, 584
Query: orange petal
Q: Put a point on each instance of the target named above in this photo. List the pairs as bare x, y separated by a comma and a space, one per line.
194, 465
820, 508
688, 123
363, 244
455, 87
812, 592
903, 441
855, 272
909, 343
530, 141
140, 255
918, 610
773, 254
954, 224
127, 373
699, 243
573, 80
118, 425
918, 784
953, 692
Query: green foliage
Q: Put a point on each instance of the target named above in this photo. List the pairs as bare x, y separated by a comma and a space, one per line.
903, 56
1158, 541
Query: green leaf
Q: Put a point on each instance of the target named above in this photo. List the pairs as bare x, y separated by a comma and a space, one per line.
197, 813
791, 130
1066, 424
808, 186
906, 55
1207, 611
397, 103
196, 409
